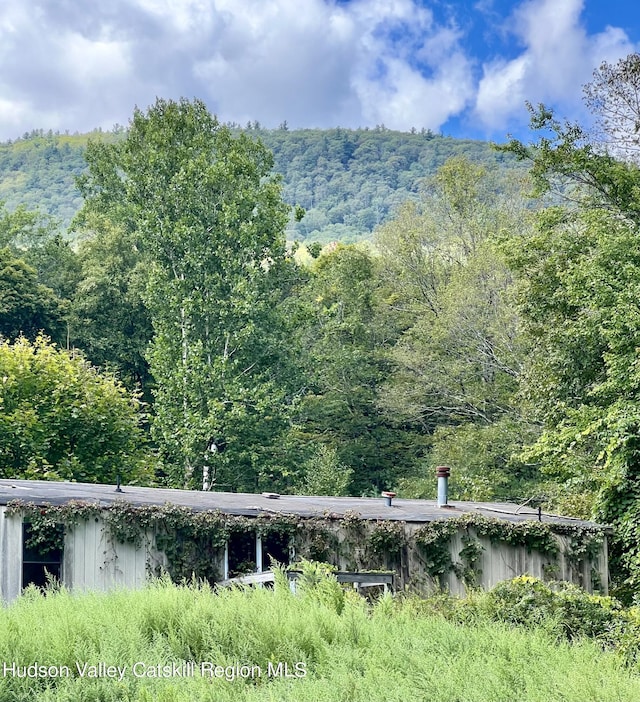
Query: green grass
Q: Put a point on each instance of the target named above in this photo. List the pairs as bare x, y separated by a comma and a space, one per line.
390, 652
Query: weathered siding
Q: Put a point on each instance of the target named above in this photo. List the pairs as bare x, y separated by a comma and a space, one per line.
93, 561
499, 562
10, 557
496, 563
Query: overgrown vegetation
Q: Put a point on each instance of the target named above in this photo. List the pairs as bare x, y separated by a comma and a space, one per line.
62, 420
393, 650
193, 541
482, 329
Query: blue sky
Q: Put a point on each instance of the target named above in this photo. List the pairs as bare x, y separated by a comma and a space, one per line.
463, 68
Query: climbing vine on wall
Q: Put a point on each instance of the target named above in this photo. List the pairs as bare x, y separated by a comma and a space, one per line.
434, 542
192, 541
48, 524
467, 570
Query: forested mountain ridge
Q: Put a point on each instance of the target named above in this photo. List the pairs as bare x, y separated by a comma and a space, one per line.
348, 181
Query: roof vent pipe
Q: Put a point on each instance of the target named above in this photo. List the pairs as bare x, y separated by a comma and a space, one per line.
388, 496
443, 473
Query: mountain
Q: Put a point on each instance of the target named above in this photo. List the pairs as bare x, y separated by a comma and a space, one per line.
348, 181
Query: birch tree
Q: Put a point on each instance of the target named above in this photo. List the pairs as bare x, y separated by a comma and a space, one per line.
209, 219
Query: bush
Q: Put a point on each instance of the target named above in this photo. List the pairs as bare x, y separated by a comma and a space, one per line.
60, 419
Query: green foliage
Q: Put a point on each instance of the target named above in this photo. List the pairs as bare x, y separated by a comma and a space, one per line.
45, 535
60, 419
108, 317
22, 228
446, 274
579, 283
351, 179
57, 265
456, 361
467, 570
388, 538
39, 171
209, 218
27, 308
485, 463
526, 601
391, 651
325, 475
342, 339
318, 584
434, 542
39, 275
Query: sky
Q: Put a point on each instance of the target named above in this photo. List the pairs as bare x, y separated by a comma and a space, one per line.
463, 68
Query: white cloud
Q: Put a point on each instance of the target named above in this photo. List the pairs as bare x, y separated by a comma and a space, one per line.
13, 115
186, 16
404, 98
419, 81
56, 77
279, 60
80, 64
311, 62
94, 61
558, 58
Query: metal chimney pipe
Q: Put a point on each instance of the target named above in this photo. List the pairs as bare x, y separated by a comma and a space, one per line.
443, 473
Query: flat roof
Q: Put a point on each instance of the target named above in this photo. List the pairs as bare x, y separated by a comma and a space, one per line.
246, 504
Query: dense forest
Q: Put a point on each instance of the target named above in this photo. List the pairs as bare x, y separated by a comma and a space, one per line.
348, 181
491, 323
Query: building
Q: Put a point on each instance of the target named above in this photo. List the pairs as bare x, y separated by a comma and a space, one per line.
96, 537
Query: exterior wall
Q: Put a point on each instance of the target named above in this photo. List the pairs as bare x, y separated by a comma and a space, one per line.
10, 557
499, 562
92, 561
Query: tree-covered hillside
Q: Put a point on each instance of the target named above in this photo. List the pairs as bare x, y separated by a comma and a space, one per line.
348, 181
39, 171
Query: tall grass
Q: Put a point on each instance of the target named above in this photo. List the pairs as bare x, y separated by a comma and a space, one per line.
353, 652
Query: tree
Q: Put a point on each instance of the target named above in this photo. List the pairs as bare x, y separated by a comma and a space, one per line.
39, 297
62, 420
455, 366
57, 265
210, 220
22, 228
325, 475
109, 319
579, 280
26, 307
342, 340
613, 97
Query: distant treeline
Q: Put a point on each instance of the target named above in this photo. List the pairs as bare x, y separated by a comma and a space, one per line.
348, 181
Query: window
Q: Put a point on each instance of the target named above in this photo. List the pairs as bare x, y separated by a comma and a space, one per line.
248, 552
241, 554
41, 561
275, 547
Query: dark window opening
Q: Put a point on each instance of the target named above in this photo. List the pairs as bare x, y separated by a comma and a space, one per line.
41, 561
275, 547
242, 554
